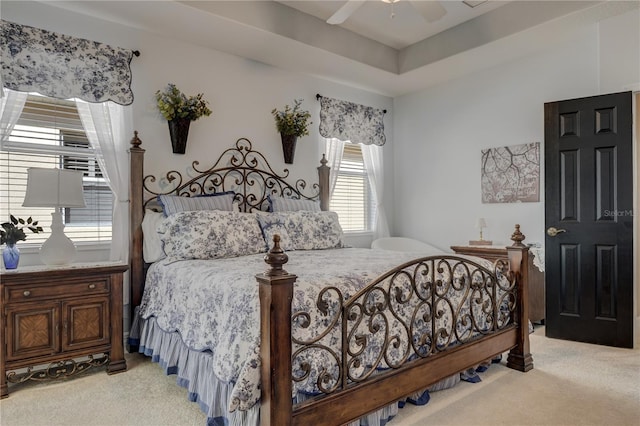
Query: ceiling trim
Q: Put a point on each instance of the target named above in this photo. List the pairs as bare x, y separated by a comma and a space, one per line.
277, 18
255, 30
507, 20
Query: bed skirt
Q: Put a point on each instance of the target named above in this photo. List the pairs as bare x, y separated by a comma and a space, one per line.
195, 373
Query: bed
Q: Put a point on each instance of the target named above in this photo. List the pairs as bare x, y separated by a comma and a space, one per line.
353, 332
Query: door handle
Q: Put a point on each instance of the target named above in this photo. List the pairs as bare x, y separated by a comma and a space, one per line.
552, 232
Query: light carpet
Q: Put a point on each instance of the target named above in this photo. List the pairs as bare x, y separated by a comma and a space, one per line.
571, 384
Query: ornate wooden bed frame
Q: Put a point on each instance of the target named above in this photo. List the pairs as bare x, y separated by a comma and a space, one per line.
348, 397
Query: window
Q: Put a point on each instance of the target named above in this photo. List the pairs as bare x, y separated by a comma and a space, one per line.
49, 133
352, 197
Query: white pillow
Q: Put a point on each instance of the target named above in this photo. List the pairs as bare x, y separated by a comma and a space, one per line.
151, 244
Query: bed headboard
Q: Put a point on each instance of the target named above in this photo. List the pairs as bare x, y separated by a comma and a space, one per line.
240, 169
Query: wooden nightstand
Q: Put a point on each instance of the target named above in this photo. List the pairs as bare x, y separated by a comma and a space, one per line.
53, 315
536, 277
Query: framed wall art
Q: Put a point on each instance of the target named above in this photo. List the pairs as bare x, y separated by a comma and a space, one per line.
511, 174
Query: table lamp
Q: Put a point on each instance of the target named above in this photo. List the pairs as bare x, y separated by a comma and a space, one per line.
480, 223
55, 188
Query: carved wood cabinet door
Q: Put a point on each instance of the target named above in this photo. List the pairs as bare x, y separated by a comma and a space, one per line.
85, 323
32, 330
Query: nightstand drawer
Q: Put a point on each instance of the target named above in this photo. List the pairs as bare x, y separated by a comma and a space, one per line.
26, 292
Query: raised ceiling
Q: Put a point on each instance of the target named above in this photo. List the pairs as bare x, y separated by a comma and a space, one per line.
399, 24
369, 50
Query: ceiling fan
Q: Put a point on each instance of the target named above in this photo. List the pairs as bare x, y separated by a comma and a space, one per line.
430, 10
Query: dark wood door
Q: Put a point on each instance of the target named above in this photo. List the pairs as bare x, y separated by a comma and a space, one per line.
589, 200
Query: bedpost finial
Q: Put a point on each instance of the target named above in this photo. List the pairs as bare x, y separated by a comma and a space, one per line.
276, 257
135, 141
323, 160
517, 237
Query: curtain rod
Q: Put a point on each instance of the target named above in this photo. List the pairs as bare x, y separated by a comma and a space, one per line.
318, 96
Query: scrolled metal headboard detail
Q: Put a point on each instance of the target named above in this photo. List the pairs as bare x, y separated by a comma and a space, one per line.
240, 169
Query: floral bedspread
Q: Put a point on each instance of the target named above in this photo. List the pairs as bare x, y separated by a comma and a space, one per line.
214, 304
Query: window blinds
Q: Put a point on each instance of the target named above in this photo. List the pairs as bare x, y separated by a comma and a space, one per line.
49, 133
352, 198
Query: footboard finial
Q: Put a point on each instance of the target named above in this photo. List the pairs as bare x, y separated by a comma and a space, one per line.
517, 237
135, 141
276, 257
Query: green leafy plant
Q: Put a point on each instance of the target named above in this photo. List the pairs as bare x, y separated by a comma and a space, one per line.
173, 104
292, 121
11, 233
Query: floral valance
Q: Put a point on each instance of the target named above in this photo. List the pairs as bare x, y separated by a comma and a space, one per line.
61, 66
351, 122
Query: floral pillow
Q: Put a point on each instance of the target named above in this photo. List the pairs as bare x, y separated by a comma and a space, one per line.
302, 230
315, 230
211, 234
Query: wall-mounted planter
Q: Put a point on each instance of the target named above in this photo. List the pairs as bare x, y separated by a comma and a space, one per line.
288, 147
179, 132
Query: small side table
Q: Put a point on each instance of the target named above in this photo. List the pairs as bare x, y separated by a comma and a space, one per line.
53, 315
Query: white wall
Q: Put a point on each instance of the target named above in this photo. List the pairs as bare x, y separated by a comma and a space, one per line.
241, 93
619, 53
440, 132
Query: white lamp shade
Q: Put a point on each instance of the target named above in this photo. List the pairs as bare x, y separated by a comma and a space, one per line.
481, 223
53, 188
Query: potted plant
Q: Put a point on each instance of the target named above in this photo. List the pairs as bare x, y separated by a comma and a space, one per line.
180, 111
10, 234
291, 123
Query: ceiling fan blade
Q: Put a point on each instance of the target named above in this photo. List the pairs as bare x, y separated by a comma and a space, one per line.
431, 10
345, 11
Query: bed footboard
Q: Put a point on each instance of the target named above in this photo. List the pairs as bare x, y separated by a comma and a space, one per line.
442, 337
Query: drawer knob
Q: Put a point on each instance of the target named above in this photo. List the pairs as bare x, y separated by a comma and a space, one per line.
26, 293
92, 286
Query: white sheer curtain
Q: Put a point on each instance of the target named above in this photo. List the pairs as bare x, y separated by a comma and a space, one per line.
372, 156
334, 149
11, 105
108, 127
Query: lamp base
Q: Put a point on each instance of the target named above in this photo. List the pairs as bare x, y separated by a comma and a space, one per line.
58, 249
